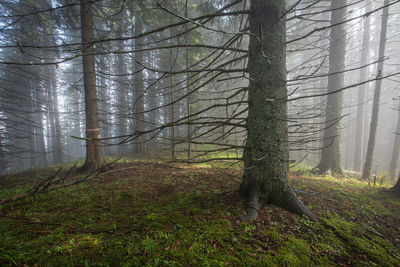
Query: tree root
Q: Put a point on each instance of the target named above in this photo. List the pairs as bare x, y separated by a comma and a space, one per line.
305, 193
287, 200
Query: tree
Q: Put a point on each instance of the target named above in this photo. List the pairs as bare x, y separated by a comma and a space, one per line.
94, 149
266, 153
396, 147
330, 158
361, 93
139, 87
375, 107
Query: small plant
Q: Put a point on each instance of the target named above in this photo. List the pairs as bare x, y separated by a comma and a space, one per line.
148, 244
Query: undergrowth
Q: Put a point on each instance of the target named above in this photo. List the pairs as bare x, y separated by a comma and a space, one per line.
153, 214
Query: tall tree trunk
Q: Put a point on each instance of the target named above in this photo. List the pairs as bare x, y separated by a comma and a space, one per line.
139, 89
266, 154
330, 158
171, 91
189, 98
94, 149
396, 147
375, 107
359, 140
121, 95
57, 147
105, 101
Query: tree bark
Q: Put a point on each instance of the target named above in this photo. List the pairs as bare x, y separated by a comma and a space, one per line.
139, 89
94, 149
330, 158
358, 147
396, 147
396, 187
57, 147
266, 154
375, 107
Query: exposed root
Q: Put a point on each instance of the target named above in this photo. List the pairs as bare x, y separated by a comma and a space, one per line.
304, 193
287, 200
253, 207
293, 204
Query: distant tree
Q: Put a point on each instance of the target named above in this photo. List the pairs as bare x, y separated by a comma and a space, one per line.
396, 147
94, 149
266, 153
375, 108
139, 102
358, 146
330, 158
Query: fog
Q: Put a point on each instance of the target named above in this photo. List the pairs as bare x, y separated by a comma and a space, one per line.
171, 81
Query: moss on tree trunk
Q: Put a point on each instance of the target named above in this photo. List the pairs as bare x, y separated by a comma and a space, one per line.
266, 154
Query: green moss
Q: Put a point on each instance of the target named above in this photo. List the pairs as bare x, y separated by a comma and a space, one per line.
354, 239
294, 252
273, 234
121, 221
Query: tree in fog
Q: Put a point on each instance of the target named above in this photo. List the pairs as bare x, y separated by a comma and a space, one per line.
359, 142
375, 108
396, 147
94, 150
330, 158
266, 153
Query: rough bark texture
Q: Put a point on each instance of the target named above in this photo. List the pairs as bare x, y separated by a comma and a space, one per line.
375, 107
358, 147
94, 149
330, 158
396, 147
396, 187
266, 155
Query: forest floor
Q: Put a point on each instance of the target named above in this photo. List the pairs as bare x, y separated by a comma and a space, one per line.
149, 213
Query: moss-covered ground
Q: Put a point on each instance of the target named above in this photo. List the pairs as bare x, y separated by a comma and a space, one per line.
148, 213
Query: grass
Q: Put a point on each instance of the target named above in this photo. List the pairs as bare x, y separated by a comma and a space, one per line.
153, 214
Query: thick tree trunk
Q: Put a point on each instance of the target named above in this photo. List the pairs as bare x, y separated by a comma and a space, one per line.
375, 108
330, 158
396, 187
396, 147
94, 149
359, 140
266, 154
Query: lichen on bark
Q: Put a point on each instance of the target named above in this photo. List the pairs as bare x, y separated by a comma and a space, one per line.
266, 154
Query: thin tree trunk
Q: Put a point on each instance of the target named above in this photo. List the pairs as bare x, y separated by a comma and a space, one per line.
266, 153
121, 101
188, 99
359, 140
57, 145
94, 149
330, 158
396, 147
375, 108
139, 89
171, 93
